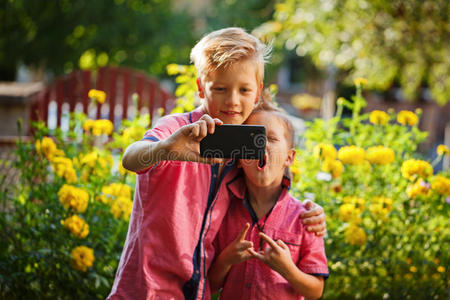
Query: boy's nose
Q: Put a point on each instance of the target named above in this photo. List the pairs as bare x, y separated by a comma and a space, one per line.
233, 98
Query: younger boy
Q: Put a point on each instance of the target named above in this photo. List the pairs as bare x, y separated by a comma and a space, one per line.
176, 214
275, 257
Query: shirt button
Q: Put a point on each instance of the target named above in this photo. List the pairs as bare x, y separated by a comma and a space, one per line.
214, 176
197, 271
248, 285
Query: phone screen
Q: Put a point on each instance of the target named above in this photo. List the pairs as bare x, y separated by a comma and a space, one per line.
235, 141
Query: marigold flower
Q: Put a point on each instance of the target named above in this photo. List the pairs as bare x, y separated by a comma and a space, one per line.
441, 185
325, 151
122, 208
420, 188
414, 168
47, 147
378, 117
441, 269
380, 207
360, 81
380, 155
351, 155
173, 69
355, 235
82, 257
116, 190
73, 197
63, 167
98, 127
97, 95
442, 150
77, 226
406, 117
334, 167
349, 213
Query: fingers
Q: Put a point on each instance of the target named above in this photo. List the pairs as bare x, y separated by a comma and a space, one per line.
316, 228
271, 242
282, 244
244, 245
314, 220
321, 233
312, 209
242, 234
255, 254
210, 123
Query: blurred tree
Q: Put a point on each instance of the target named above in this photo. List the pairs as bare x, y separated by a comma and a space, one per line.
62, 35
385, 41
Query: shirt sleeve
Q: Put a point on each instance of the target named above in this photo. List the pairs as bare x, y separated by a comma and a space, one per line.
313, 260
163, 129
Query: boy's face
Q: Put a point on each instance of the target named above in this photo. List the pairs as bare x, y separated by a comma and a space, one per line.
279, 153
231, 93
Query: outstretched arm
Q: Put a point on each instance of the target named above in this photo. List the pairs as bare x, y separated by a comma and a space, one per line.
183, 144
236, 252
278, 257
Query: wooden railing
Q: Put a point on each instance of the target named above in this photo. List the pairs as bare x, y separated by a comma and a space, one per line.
118, 83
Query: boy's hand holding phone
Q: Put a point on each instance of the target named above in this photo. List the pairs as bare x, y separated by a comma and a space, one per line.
184, 144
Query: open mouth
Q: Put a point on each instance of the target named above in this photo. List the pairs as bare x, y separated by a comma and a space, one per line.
262, 163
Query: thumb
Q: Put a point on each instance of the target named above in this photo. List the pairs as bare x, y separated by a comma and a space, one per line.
308, 204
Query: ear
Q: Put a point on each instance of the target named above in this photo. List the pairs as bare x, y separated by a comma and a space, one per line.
201, 92
259, 92
290, 158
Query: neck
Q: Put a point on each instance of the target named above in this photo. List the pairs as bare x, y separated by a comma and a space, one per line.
263, 199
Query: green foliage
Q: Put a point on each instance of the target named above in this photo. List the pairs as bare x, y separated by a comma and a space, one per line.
387, 215
64, 35
36, 257
384, 41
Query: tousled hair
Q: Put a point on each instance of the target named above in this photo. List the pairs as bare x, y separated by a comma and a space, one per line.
224, 47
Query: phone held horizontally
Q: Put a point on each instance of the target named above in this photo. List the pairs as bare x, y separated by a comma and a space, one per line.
235, 141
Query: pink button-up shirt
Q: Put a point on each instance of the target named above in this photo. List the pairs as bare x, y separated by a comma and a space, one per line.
176, 215
252, 279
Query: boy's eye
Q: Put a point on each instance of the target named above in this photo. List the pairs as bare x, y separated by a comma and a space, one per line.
219, 89
245, 90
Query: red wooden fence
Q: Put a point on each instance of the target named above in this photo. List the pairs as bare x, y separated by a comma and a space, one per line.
118, 83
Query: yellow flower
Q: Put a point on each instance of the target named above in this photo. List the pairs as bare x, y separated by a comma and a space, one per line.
441, 185
420, 188
380, 207
88, 124
378, 117
77, 226
97, 95
413, 269
441, 269
63, 167
82, 257
358, 202
355, 235
102, 198
46, 147
90, 159
360, 81
98, 127
442, 150
116, 190
334, 167
406, 117
352, 155
122, 208
348, 213
73, 197
325, 151
380, 155
412, 169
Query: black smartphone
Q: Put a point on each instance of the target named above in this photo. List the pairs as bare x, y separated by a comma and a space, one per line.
235, 141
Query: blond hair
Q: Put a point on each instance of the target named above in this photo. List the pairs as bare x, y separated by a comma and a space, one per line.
224, 47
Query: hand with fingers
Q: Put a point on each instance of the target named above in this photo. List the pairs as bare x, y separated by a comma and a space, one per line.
236, 252
184, 144
275, 255
314, 218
